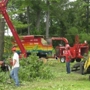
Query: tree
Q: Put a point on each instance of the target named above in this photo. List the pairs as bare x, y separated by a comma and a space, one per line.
87, 15
60, 15
47, 20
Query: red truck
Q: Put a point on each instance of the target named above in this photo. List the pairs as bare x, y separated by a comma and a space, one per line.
35, 43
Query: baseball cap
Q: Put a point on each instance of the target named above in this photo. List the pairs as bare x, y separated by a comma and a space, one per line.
13, 49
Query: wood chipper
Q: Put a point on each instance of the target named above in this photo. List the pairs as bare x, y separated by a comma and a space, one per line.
77, 50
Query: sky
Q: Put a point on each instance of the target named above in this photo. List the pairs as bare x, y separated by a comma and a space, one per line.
72, 0
8, 32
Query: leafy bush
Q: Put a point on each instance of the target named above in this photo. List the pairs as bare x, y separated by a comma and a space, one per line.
32, 67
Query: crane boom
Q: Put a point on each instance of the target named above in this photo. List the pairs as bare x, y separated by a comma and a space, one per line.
3, 11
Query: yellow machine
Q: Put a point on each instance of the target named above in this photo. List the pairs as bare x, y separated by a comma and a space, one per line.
87, 66
83, 66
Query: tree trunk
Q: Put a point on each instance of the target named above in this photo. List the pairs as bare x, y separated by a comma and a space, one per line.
47, 21
28, 19
2, 25
87, 16
38, 20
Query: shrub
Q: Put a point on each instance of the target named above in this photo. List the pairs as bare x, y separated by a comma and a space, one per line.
32, 67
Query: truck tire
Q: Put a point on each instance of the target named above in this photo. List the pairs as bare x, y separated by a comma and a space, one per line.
82, 67
62, 60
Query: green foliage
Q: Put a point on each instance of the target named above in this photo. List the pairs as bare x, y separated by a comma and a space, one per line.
32, 67
65, 17
83, 37
7, 46
71, 33
62, 81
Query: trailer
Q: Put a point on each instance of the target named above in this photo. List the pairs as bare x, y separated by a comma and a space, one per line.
35, 43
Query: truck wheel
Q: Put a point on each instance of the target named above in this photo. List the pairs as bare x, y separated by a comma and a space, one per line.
82, 68
62, 59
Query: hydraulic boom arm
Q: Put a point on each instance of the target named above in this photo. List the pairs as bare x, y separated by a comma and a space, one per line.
3, 11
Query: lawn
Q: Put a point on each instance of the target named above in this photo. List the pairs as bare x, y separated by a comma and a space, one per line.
60, 81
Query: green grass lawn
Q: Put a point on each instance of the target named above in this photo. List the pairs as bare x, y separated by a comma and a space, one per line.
61, 81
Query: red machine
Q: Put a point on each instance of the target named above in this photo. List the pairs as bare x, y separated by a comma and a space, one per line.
3, 11
60, 48
77, 50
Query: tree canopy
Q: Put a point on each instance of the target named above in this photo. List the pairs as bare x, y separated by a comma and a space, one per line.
51, 18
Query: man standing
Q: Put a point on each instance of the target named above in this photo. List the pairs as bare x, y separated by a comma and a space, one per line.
68, 57
15, 67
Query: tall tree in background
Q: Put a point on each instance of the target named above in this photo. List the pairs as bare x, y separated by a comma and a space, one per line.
87, 16
47, 19
28, 19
